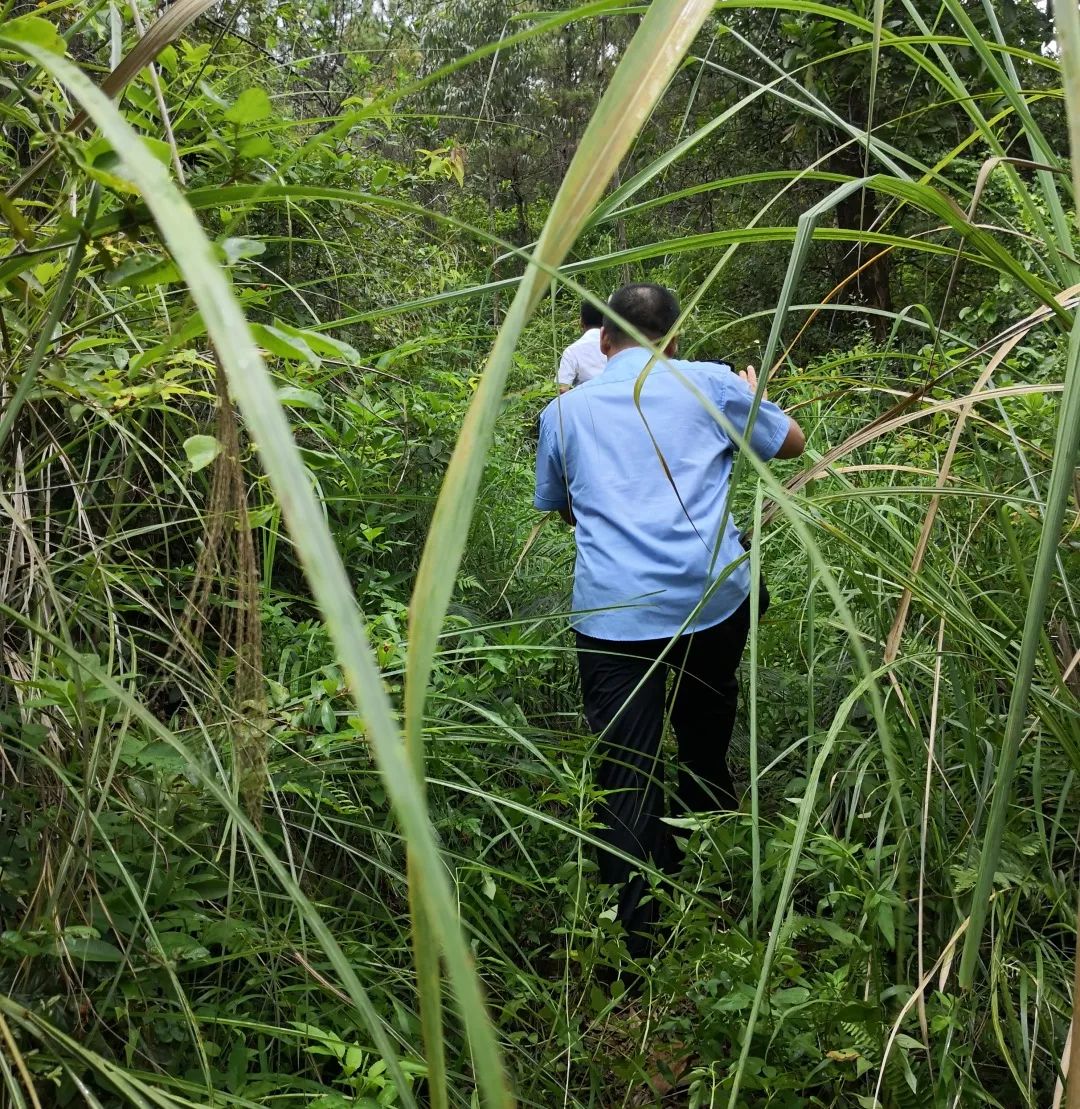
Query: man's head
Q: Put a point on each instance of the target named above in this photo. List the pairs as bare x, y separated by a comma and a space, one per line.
591, 316
650, 309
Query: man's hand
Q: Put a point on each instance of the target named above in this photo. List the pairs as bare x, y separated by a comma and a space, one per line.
795, 441
749, 375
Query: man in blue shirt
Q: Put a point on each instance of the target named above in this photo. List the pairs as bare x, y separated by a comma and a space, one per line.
661, 580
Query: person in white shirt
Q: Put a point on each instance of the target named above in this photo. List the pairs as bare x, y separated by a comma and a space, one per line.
583, 360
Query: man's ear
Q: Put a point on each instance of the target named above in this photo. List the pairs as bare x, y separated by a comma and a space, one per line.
606, 345
672, 349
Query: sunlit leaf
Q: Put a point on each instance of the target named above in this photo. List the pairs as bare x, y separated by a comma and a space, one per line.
293, 397
283, 345
35, 31
201, 450
250, 106
237, 249
319, 343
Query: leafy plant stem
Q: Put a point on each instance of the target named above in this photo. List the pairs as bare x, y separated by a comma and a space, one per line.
48, 326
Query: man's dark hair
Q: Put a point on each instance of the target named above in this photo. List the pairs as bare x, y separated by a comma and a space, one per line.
652, 309
591, 316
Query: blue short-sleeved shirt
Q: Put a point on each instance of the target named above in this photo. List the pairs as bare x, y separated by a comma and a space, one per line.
647, 552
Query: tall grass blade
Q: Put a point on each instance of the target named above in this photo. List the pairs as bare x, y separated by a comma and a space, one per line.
1068, 28
755, 786
254, 391
875, 64
655, 52
1061, 478
1073, 1077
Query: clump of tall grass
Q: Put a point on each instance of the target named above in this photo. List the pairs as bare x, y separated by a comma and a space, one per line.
921, 565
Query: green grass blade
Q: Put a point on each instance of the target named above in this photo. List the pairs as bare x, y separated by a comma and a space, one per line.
1061, 478
254, 391
755, 798
875, 65
48, 325
652, 57
1068, 25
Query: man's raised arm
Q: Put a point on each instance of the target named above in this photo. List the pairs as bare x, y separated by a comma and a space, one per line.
795, 440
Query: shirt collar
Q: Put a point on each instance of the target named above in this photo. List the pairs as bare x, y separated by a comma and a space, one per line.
631, 361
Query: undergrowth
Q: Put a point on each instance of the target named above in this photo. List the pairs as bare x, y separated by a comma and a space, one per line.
209, 890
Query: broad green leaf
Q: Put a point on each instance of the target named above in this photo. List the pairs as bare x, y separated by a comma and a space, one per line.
201, 450
293, 397
143, 270
105, 165
178, 945
236, 1068
257, 146
250, 106
320, 343
35, 31
236, 249
86, 949
887, 923
282, 345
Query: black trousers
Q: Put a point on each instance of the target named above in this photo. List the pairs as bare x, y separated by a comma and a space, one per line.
696, 687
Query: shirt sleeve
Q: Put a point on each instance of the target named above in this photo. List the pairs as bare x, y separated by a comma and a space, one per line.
551, 494
771, 422
567, 374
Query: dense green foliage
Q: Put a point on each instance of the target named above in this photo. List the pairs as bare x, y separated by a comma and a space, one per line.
203, 873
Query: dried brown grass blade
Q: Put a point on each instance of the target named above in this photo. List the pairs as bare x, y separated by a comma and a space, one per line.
896, 632
227, 571
944, 961
899, 414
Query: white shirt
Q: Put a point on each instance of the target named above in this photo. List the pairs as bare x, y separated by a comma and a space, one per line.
582, 360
